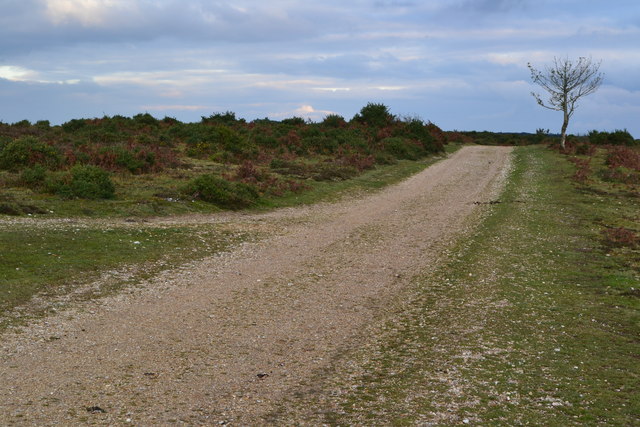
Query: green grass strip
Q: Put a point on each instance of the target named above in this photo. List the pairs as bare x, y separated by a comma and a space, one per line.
56, 259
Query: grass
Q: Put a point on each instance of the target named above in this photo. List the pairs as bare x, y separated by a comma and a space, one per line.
531, 321
56, 259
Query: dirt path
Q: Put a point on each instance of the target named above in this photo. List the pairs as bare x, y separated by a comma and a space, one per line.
226, 339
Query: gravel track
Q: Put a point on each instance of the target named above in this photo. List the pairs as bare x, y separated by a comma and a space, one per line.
226, 339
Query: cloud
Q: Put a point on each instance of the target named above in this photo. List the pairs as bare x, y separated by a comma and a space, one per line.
89, 13
494, 6
17, 74
176, 108
451, 61
304, 111
20, 74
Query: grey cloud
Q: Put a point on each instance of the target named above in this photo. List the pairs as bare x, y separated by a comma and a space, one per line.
501, 6
27, 27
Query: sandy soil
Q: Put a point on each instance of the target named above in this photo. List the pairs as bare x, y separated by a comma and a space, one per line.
226, 339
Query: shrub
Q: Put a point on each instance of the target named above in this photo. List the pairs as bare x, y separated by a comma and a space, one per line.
145, 119
617, 137
43, 124
586, 149
294, 121
33, 177
248, 172
29, 151
22, 124
334, 121
227, 118
358, 161
402, 148
85, 182
417, 130
583, 169
376, 115
623, 157
620, 175
220, 192
74, 125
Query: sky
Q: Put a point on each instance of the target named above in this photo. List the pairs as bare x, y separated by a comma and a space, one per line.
461, 64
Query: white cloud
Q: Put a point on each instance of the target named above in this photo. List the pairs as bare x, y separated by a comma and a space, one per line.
20, 74
304, 111
332, 89
88, 13
17, 74
167, 79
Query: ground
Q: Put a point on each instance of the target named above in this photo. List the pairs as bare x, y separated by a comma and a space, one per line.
228, 338
476, 292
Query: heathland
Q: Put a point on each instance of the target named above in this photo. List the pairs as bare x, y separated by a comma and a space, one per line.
378, 270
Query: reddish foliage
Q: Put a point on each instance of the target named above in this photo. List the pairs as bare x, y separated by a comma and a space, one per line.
248, 172
625, 157
583, 168
438, 134
297, 186
620, 237
151, 159
458, 137
358, 161
384, 132
292, 139
569, 147
586, 149
70, 157
263, 157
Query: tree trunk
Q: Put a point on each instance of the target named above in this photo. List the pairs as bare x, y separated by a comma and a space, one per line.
565, 124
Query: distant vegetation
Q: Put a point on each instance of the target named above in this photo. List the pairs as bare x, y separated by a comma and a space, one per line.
221, 161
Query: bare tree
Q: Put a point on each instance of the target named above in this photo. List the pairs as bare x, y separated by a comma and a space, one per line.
567, 82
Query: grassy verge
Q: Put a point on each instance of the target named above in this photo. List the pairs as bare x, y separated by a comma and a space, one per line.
58, 259
532, 321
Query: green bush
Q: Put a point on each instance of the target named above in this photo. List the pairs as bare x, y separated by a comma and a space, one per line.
74, 125
617, 137
33, 177
226, 118
220, 192
135, 160
334, 121
376, 115
294, 121
85, 182
205, 141
29, 151
145, 119
402, 148
43, 124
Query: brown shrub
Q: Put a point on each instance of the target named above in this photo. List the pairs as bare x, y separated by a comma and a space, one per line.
620, 237
625, 157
